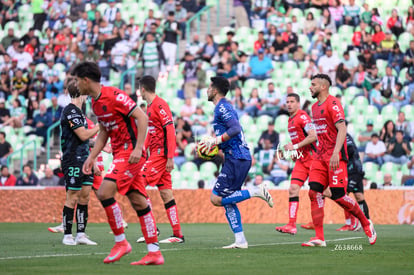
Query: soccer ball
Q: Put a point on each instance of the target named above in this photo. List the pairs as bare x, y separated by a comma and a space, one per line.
210, 154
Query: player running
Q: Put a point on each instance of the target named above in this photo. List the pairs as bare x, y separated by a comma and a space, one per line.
160, 142
125, 123
355, 176
230, 139
75, 137
303, 135
329, 165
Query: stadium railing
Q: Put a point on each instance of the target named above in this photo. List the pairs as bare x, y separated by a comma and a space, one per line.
21, 151
197, 18
49, 133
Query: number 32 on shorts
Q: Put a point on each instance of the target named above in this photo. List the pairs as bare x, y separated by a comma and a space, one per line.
73, 171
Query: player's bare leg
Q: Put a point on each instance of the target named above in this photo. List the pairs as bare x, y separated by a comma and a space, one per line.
172, 214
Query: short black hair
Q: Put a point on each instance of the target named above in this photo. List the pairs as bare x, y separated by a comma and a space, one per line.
3, 133
400, 131
3, 166
72, 88
87, 69
148, 83
322, 76
221, 84
295, 95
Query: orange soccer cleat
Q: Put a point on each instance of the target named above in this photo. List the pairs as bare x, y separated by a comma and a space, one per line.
289, 228
152, 258
120, 249
308, 226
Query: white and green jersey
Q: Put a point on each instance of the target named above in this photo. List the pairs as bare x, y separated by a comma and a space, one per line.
150, 54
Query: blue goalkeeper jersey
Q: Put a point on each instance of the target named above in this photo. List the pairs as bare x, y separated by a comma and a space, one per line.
236, 147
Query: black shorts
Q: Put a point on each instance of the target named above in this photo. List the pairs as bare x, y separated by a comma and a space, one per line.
355, 184
73, 176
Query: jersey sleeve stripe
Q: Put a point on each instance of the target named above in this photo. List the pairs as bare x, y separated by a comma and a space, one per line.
164, 126
132, 110
76, 126
130, 130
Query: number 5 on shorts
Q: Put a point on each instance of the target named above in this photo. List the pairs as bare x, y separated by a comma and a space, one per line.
334, 180
74, 171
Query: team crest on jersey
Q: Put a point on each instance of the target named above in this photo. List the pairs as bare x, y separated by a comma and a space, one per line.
149, 114
104, 108
321, 112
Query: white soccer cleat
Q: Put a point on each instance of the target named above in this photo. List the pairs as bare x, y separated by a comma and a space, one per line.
262, 192
237, 246
314, 242
371, 233
56, 229
142, 239
68, 240
173, 239
83, 239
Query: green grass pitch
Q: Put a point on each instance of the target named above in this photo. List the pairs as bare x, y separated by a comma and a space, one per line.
28, 248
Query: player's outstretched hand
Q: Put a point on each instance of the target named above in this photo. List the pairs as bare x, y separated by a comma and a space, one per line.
288, 147
87, 166
135, 156
334, 162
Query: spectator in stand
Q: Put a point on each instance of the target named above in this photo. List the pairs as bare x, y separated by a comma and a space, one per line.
184, 136
181, 17
151, 56
385, 46
238, 101
229, 40
396, 58
190, 76
369, 81
76, 9
278, 169
6, 178
5, 149
388, 82
253, 104
366, 15
378, 35
260, 66
409, 21
167, 7
350, 63
271, 35
387, 132
375, 150
276, 18
271, 135
409, 55
328, 63
395, 23
195, 47
264, 156
169, 45
337, 12
190, 6
41, 122
399, 98
62, 23
49, 179
260, 43
54, 87
326, 22
376, 18
365, 136
18, 115
343, 77
199, 121
398, 150
279, 50
368, 44
290, 38
242, 68
187, 110
5, 89
408, 180
261, 8
20, 83
209, 49
351, 14
8, 40
4, 112
310, 26
229, 74
28, 178
242, 13
375, 96
271, 101
317, 46
310, 70
299, 55
387, 180
359, 36
403, 125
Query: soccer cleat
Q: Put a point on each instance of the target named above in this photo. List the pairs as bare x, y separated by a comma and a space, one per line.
152, 258
173, 239
346, 227
83, 239
68, 240
237, 245
314, 242
308, 226
142, 239
264, 194
289, 228
124, 224
120, 249
371, 233
357, 226
57, 229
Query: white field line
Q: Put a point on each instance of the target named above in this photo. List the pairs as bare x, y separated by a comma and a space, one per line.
168, 249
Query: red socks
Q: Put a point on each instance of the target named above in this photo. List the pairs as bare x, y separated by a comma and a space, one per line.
114, 214
293, 209
348, 204
317, 211
148, 226
172, 215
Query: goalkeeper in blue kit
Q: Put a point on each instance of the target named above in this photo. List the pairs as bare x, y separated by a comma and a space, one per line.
230, 139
